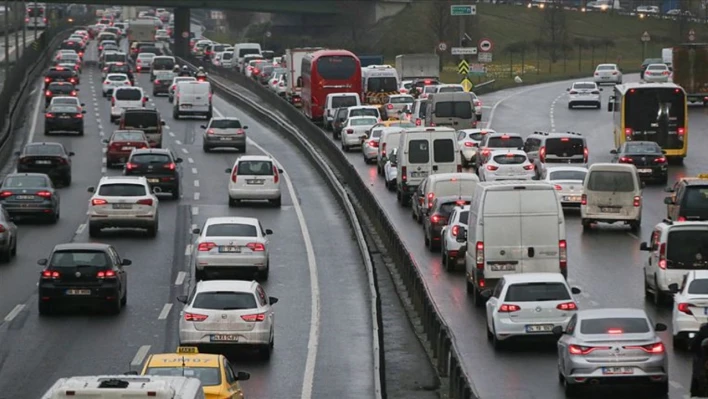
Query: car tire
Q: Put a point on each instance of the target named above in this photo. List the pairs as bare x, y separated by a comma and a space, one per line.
13, 251
658, 295
44, 308
124, 299
276, 203
54, 217
379, 171
175, 193
479, 301
233, 202
114, 307
169, 100
152, 230
242, 148
81, 132
46, 131
263, 275
209, 115
570, 105
345, 148
661, 390
267, 350
109, 164
678, 342
635, 226
586, 225
6, 255
175, 115
67, 180
599, 105
94, 230
479, 117
205, 148
570, 389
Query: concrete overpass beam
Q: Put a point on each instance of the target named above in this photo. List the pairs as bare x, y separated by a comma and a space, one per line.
182, 25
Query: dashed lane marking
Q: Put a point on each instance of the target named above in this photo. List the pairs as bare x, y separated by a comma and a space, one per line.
180, 278
140, 355
165, 311
194, 170
196, 196
81, 228
188, 250
184, 150
633, 236
194, 226
104, 170
593, 303
178, 142
195, 210
172, 134
196, 183
676, 385
190, 160
14, 312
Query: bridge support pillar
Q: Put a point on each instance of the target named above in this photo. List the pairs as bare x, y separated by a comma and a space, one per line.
182, 28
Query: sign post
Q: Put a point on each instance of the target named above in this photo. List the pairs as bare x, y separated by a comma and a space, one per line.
485, 50
462, 11
645, 39
691, 35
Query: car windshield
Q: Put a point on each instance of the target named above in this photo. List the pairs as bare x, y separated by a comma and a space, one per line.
696, 197
643, 148
224, 300
611, 181
255, 168
615, 325
568, 175
510, 159
44, 149
121, 190
537, 292
128, 136
25, 181
144, 159
584, 86
76, 258
225, 124
362, 122
209, 376
231, 230
129, 95
401, 100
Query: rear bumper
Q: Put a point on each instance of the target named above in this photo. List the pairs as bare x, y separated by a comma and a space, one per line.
237, 141
265, 194
122, 221
506, 329
51, 293
204, 338
27, 209
64, 125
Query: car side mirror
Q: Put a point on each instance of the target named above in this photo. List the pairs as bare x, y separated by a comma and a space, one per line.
280, 170
269, 232
242, 376
83, 104
126, 262
196, 231
83, 112
43, 262
557, 331
203, 126
462, 235
660, 327
575, 290
91, 189
613, 152
668, 201
228, 170
644, 247
244, 128
162, 123
273, 300
182, 299
673, 288
104, 141
178, 160
72, 153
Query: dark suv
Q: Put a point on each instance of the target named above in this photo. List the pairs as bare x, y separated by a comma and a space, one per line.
556, 148
83, 273
145, 119
161, 168
689, 199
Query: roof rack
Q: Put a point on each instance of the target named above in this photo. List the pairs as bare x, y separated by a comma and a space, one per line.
549, 133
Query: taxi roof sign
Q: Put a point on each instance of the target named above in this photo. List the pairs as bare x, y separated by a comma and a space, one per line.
703, 176
187, 349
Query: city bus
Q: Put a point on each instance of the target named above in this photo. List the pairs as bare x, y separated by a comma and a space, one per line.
655, 112
324, 72
36, 16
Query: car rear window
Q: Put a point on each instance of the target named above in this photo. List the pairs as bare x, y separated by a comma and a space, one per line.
231, 230
364, 112
148, 158
59, 88
255, 168
401, 100
227, 56
606, 68
537, 292
611, 181
118, 78
128, 136
418, 151
66, 73
64, 108
450, 89
44, 150
476, 136
444, 150
505, 142
115, 58
140, 119
129, 95
568, 175
64, 101
616, 325
79, 258
657, 67
446, 208
151, 50
453, 109
225, 124
696, 197
363, 122
464, 217
564, 146
699, 286
119, 68
25, 181
164, 62
510, 159
687, 249
643, 148
121, 190
224, 300
584, 86
209, 376
344, 101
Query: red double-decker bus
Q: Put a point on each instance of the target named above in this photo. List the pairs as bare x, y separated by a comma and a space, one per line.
324, 72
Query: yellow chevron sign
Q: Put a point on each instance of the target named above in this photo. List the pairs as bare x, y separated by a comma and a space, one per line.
463, 68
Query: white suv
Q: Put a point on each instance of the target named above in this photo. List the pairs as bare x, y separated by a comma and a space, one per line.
124, 98
254, 177
123, 202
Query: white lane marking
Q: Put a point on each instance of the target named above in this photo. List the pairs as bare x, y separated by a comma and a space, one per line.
33, 128
101, 133
104, 160
196, 183
140, 355
104, 170
196, 196
105, 150
167, 127
190, 160
178, 142
676, 385
14, 312
551, 112
81, 228
634, 236
184, 150
194, 170
195, 210
180, 278
171, 134
314, 336
165, 311
188, 250
194, 226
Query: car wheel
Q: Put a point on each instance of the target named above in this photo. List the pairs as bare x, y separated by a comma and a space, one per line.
124, 300
242, 148
599, 105
209, 115
94, 230
497, 344
109, 163
378, 170
586, 225
647, 293
267, 350
206, 149
152, 230
570, 105
169, 100
199, 275
44, 308
81, 132
54, 217
658, 295
263, 275
233, 202
678, 342
46, 131
426, 241
478, 299
6, 255
661, 389
175, 193
634, 226
114, 307
175, 115
276, 202
67, 180
13, 252
570, 389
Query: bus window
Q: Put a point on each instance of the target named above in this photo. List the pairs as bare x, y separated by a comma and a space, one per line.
656, 115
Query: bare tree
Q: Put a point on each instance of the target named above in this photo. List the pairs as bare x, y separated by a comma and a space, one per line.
553, 28
439, 22
354, 17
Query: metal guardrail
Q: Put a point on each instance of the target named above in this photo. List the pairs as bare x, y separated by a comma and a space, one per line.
301, 130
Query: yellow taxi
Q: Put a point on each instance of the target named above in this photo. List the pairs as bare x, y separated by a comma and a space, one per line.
217, 374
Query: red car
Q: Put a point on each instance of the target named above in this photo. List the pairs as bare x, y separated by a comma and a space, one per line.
121, 144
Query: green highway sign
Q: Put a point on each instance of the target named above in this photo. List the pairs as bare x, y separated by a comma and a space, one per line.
463, 10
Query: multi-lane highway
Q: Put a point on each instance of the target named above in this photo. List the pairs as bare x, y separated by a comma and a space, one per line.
605, 263
323, 326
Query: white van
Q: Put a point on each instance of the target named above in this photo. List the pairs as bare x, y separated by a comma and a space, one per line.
441, 185
126, 386
422, 152
124, 98
192, 98
513, 227
612, 192
674, 250
338, 100
390, 136
241, 49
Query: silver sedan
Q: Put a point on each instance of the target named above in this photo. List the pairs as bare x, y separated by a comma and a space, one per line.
609, 346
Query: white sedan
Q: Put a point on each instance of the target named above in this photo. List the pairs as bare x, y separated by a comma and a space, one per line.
391, 170
657, 73
354, 131
231, 245
690, 307
113, 81
584, 93
468, 141
507, 165
228, 312
568, 181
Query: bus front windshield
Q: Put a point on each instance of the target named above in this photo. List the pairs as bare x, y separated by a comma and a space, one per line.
656, 114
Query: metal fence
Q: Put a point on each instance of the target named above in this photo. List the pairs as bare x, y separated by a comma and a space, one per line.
440, 338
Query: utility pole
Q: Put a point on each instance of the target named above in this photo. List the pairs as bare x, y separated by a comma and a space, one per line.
7, 39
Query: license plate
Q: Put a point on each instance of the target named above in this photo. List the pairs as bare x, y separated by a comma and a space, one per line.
644, 170
224, 338
419, 174
64, 117
571, 198
533, 328
24, 197
127, 148
186, 105
229, 248
508, 267
255, 181
584, 94
617, 370
605, 77
153, 180
43, 162
122, 206
226, 138
78, 292
609, 210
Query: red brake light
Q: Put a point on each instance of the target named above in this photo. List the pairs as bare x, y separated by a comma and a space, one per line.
625, 160
558, 187
276, 174
506, 308
130, 166
628, 131
170, 166
654, 348
157, 82
5, 194
147, 201
615, 331
479, 255
44, 194
98, 201
73, 93
48, 93
435, 218
106, 274
637, 201
50, 275
47, 80
455, 230
571, 92
529, 167
206, 246
255, 246
681, 131
662, 256
234, 173
194, 317
681, 219
684, 308
492, 167
567, 306
585, 154
660, 160
582, 350
418, 122
563, 254
252, 318
404, 173
584, 199
470, 144
49, 115
389, 106
542, 154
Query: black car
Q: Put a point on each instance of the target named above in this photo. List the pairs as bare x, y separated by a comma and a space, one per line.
71, 65
60, 74
647, 156
64, 118
83, 274
160, 167
340, 115
56, 89
438, 216
120, 67
30, 195
72, 45
51, 159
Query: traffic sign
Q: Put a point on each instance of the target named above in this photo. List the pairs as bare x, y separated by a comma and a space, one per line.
691, 35
466, 84
185, 34
646, 37
484, 57
268, 34
463, 10
463, 68
486, 45
464, 50
442, 46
